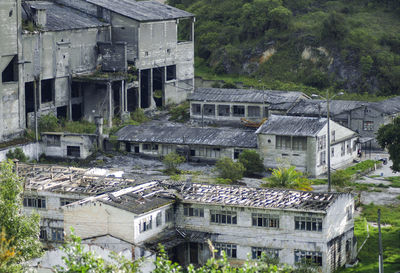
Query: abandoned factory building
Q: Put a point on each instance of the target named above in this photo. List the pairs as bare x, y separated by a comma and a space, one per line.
85, 58
292, 226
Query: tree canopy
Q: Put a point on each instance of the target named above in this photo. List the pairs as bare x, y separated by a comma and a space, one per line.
388, 137
20, 231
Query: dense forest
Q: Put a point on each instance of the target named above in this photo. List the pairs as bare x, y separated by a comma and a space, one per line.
346, 44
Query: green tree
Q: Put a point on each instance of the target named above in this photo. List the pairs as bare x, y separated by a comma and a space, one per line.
388, 137
49, 123
340, 178
252, 162
21, 230
172, 162
17, 153
228, 169
288, 178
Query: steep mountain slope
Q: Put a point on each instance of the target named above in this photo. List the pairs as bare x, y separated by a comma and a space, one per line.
352, 45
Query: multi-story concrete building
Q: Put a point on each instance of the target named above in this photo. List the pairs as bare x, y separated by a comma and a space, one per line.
292, 226
302, 142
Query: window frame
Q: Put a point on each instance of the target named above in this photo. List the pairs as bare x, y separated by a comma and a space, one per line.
223, 217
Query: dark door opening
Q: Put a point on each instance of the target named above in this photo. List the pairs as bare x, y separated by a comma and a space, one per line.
145, 88
116, 97
74, 151
137, 150
47, 90
194, 253
158, 85
29, 99
62, 112
132, 94
128, 147
76, 112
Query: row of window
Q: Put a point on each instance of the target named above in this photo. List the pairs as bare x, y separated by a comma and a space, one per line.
291, 143
40, 202
225, 110
257, 219
147, 223
56, 234
300, 256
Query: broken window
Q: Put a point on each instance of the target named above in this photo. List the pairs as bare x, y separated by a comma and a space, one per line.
171, 72
146, 224
253, 111
209, 109
43, 234
236, 153
62, 112
308, 257
74, 151
67, 201
184, 30
224, 110
238, 111
150, 147
299, 143
322, 158
47, 90
35, 202
308, 223
321, 142
189, 211
283, 142
169, 215
265, 220
158, 219
57, 234
229, 249
53, 140
270, 252
223, 217
368, 125
76, 112
75, 90
10, 73
196, 109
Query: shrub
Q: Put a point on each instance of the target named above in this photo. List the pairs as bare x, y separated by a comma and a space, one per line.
228, 169
288, 178
340, 178
17, 154
139, 116
49, 123
252, 162
172, 162
180, 113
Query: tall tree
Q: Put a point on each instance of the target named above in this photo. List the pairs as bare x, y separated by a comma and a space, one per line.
21, 231
388, 137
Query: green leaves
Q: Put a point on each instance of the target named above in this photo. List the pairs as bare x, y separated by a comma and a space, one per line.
228, 169
388, 137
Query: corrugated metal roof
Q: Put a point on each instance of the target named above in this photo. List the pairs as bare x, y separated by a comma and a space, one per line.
318, 107
292, 126
64, 18
239, 196
188, 135
278, 99
142, 10
390, 106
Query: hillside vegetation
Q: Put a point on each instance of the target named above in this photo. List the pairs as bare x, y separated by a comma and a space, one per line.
347, 44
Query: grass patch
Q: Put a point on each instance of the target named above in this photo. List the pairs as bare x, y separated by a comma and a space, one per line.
394, 180
318, 181
362, 166
368, 257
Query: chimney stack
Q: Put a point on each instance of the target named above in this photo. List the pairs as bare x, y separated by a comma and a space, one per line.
39, 16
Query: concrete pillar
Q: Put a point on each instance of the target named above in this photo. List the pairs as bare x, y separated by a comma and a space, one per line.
99, 131
121, 98
125, 95
69, 110
139, 89
152, 102
110, 106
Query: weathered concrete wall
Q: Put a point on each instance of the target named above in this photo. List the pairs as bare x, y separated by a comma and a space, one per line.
86, 143
126, 30
30, 150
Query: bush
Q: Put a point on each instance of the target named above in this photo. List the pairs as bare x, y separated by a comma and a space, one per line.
172, 162
228, 169
288, 178
180, 113
139, 116
340, 178
17, 154
252, 162
49, 123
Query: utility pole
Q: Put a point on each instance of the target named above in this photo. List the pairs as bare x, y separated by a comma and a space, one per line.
329, 141
380, 243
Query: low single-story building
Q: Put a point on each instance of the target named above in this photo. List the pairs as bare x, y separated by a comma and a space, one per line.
231, 106
192, 142
302, 142
68, 145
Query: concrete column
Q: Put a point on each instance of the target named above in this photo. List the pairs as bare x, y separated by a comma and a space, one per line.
39, 98
152, 102
69, 110
125, 95
121, 98
139, 89
110, 106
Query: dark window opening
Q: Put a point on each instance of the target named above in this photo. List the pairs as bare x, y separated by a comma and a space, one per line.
128, 147
29, 97
10, 73
137, 149
116, 98
75, 90
76, 112
224, 110
236, 153
35, 202
192, 152
184, 30
171, 72
209, 109
53, 140
132, 94
74, 151
196, 212
57, 234
145, 88
196, 109
43, 234
62, 112
47, 90
266, 112
253, 111
158, 85
238, 111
